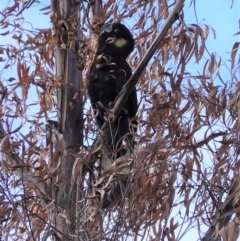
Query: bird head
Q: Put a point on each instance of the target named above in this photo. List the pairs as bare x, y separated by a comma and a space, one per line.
115, 39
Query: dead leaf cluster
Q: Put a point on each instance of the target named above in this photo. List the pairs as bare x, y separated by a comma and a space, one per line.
185, 167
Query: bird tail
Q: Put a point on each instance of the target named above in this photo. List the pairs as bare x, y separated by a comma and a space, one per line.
114, 178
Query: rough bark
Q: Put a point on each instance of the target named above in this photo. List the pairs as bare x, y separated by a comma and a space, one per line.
69, 94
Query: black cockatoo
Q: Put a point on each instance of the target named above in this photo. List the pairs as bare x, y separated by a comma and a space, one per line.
109, 72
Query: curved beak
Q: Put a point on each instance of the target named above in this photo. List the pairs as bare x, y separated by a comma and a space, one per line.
107, 28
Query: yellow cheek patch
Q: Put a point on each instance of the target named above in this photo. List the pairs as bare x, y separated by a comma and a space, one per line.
120, 42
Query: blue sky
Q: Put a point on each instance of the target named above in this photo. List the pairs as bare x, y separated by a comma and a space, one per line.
223, 19
216, 13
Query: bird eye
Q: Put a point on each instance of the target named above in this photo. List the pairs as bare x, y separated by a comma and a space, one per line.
116, 30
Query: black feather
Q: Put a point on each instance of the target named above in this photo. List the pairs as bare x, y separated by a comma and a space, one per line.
109, 72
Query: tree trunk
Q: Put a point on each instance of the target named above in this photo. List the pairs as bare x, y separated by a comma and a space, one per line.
65, 17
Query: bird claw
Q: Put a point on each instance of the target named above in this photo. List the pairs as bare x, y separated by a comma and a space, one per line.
105, 117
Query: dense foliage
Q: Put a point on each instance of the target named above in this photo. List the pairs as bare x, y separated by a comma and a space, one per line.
185, 169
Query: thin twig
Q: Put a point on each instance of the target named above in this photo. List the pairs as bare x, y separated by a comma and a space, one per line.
127, 89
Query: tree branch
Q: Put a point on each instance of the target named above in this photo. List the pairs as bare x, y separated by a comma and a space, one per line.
127, 89
223, 217
15, 162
